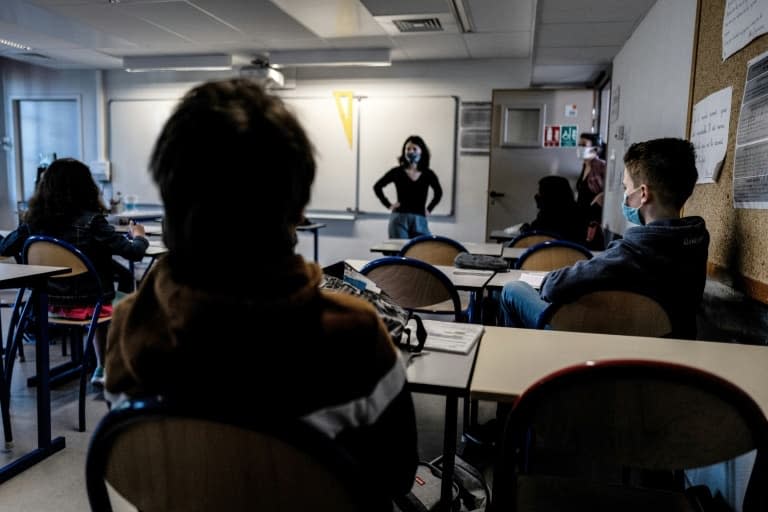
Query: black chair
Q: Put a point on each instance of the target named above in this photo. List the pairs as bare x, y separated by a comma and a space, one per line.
161, 456
617, 435
551, 255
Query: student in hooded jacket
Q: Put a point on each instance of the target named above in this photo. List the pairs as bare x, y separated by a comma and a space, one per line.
412, 178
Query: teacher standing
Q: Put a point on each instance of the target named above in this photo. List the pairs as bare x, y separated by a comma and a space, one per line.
412, 179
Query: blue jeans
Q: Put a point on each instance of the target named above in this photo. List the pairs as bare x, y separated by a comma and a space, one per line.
407, 225
521, 305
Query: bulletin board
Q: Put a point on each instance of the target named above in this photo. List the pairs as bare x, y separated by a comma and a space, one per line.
738, 249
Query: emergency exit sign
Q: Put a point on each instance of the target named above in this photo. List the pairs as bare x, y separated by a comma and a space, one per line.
569, 135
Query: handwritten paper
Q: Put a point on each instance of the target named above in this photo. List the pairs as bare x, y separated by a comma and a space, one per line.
750, 162
709, 133
533, 279
451, 336
743, 21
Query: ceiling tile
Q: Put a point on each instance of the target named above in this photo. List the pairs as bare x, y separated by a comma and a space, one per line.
516, 45
332, 18
584, 11
185, 20
496, 16
261, 20
404, 7
361, 42
576, 55
565, 74
433, 46
585, 34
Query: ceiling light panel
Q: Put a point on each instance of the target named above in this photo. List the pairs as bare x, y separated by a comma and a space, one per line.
332, 18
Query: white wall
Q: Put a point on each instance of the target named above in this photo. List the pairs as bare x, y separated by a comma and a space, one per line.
469, 80
652, 71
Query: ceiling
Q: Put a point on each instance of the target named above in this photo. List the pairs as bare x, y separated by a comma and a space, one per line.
567, 41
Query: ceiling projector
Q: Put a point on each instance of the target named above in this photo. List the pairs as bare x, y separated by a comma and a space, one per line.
262, 73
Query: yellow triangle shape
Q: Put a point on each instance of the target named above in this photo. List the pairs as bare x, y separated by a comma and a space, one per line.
345, 114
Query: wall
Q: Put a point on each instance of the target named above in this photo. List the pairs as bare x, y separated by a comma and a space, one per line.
652, 73
469, 80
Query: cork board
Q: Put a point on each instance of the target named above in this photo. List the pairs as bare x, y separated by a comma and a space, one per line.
738, 249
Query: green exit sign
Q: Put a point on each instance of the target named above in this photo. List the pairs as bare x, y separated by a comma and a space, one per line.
569, 135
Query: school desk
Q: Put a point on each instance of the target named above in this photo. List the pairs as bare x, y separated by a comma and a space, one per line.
34, 277
393, 246
312, 228
509, 360
501, 278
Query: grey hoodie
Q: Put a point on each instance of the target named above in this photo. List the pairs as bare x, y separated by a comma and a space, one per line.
666, 260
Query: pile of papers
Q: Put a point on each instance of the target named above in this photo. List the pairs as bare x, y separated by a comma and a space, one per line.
451, 336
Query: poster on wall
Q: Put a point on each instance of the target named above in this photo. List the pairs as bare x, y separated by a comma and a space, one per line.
750, 162
710, 123
743, 21
552, 136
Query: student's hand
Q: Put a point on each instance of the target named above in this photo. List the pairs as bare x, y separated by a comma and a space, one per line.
136, 229
394, 207
598, 199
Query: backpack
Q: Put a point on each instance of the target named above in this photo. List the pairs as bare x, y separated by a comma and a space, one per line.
470, 491
343, 278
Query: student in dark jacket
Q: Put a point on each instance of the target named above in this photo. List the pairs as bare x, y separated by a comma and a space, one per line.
558, 213
67, 205
664, 256
250, 332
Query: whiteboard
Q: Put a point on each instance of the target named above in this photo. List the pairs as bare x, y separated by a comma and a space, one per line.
134, 125
385, 123
335, 183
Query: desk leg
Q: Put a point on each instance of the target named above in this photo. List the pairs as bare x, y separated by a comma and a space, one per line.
45, 445
315, 232
449, 450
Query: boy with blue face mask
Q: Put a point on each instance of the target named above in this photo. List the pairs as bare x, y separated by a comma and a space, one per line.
664, 256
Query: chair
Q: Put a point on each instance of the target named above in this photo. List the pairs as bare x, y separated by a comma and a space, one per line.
583, 437
162, 457
47, 250
530, 238
415, 285
434, 249
608, 312
552, 255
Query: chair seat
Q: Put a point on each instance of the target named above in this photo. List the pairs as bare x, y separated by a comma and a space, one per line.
550, 493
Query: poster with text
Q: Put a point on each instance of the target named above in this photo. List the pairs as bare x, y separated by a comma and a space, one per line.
750, 162
709, 133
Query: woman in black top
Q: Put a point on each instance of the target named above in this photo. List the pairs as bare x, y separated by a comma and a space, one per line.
412, 179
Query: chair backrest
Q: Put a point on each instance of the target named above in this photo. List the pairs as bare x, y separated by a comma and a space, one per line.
552, 255
161, 458
434, 249
413, 284
609, 312
627, 414
531, 238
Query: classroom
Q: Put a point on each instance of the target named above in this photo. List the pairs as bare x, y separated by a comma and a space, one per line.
500, 93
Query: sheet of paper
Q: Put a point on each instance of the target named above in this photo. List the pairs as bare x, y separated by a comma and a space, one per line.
709, 133
750, 162
743, 21
534, 280
450, 336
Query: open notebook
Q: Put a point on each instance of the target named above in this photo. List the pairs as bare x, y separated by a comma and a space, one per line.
451, 336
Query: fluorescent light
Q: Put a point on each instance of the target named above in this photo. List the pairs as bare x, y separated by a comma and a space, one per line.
14, 44
178, 63
463, 16
341, 57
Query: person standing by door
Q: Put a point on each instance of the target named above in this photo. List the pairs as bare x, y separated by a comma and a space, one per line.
412, 178
589, 188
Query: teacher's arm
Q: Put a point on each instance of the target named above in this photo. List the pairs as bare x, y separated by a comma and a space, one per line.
437, 189
378, 187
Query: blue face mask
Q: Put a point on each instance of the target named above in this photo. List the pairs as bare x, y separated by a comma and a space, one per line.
630, 213
413, 158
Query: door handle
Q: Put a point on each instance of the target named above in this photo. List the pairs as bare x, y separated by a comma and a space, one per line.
495, 194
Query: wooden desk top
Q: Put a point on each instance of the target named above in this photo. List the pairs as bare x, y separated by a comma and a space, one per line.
440, 372
396, 244
510, 360
13, 275
462, 278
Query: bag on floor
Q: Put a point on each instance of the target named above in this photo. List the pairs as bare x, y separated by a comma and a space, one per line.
470, 491
341, 277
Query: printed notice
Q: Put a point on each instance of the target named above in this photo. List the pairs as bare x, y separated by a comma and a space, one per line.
743, 21
709, 133
750, 162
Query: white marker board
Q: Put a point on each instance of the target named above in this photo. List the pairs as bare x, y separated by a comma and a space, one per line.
385, 123
133, 129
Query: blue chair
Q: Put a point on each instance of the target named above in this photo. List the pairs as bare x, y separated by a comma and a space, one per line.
552, 255
415, 285
434, 249
47, 250
533, 237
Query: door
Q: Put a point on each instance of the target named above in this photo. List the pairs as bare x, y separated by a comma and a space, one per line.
518, 157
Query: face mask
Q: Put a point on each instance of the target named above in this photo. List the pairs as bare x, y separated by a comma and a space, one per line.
413, 158
586, 152
630, 213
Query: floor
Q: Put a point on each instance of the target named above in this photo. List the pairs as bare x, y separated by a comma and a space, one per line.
57, 484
